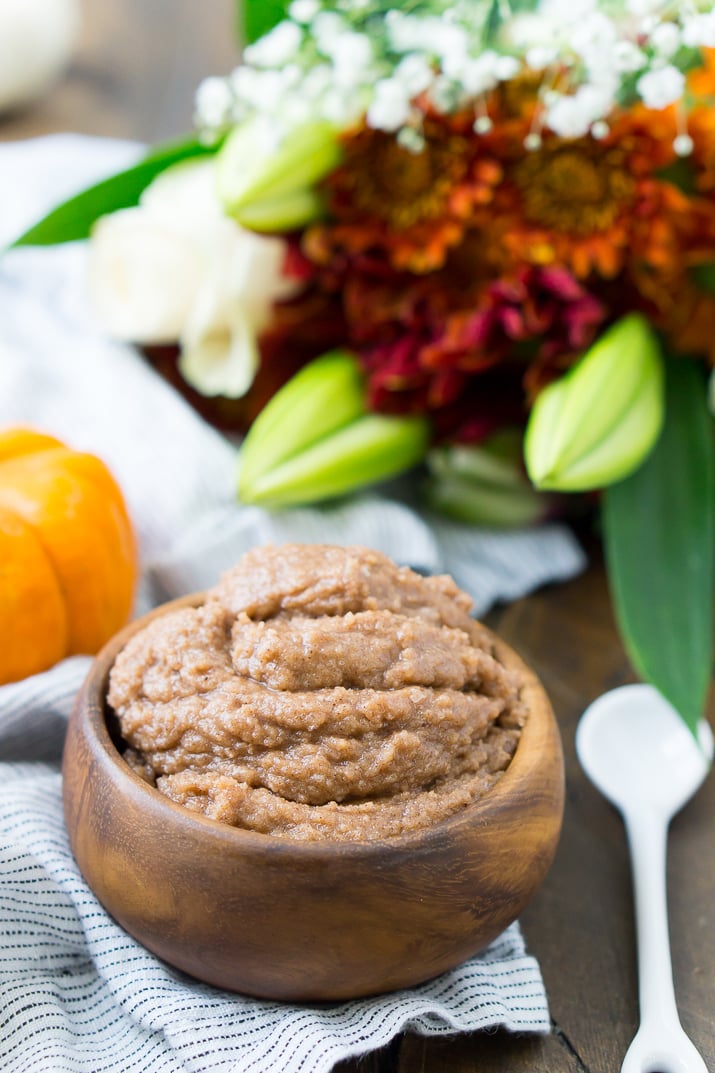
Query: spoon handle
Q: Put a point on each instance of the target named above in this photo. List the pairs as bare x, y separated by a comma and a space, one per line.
647, 838
660, 1042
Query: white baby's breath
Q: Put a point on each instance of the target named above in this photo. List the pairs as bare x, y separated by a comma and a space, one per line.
481, 74
538, 57
661, 87
304, 11
683, 145
506, 68
572, 116
407, 33
347, 60
645, 7
342, 107
665, 39
390, 107
327, 27
594, 38
351, 50
567, 12
415, 73
276, 47
214, 102
699, 30
628, 58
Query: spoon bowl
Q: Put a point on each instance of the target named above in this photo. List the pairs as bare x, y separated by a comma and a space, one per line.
634, 747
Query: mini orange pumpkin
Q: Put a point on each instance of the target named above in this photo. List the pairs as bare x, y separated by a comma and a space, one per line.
68, 557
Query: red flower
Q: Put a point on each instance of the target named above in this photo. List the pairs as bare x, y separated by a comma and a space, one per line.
424, 339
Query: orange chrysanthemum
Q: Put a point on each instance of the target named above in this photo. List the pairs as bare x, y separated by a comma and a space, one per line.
584, 202
479, 260
412, 207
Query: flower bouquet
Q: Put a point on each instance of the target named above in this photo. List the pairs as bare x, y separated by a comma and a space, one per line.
476, 236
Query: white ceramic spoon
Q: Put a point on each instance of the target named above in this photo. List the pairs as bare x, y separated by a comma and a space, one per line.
637, 751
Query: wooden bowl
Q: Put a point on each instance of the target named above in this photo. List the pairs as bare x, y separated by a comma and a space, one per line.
307, 921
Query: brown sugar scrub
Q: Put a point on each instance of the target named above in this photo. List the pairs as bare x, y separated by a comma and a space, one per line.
319, 692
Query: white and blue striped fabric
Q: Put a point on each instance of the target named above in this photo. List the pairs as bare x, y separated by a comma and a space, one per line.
77, 995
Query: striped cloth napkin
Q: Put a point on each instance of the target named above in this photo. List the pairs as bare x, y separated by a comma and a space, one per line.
77, 995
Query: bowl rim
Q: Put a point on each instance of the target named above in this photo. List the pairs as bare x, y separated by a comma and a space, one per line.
91, 707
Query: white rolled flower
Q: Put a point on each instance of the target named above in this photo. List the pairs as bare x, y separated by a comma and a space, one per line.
143, 277
661, 87
175, 269
219, 342
221, 357
184, 199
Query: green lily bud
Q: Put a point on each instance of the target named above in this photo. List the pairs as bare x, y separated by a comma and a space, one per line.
315, 439
271, 187
599, 422
485, 484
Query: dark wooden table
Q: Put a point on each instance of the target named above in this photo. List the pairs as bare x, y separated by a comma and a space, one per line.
134, 75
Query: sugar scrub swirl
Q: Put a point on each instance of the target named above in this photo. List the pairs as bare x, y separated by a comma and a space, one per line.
319, 692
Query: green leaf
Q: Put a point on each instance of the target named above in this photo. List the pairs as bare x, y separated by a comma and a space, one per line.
260, 16
321, 398
370, 449
681, 174
269, 187
598, 422
484, 484
73, 219
495, 506
704, 277
659, 527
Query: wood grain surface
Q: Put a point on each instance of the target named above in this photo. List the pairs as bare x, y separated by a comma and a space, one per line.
134, 76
